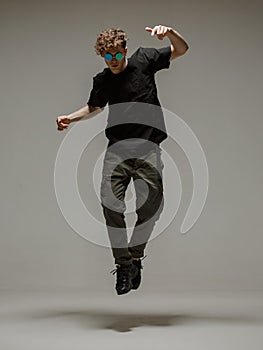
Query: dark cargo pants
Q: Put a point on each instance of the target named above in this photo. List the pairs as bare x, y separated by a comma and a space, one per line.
146, 172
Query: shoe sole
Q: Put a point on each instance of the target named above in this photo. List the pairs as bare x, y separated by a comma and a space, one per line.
125, 292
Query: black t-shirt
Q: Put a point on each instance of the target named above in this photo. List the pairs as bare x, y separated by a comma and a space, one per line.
136, 83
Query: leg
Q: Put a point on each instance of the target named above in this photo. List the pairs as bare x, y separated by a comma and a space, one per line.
115, 180
149, 204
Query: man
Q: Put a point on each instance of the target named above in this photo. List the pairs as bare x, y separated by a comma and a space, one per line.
127, 85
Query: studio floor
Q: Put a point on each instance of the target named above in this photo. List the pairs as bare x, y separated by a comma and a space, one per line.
185, 320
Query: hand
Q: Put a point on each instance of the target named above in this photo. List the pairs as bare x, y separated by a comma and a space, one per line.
160, 31
63, 122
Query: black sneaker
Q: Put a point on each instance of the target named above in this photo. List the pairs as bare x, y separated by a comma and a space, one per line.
124, 278
136, 281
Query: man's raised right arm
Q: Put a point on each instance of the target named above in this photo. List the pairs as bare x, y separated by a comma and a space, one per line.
63, 121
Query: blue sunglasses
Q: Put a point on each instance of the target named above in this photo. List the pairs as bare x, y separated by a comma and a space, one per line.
109, 56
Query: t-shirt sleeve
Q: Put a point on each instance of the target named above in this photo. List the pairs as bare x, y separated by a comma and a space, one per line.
97, 96
157, 58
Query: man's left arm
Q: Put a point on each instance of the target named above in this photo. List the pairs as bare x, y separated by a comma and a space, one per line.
178, 44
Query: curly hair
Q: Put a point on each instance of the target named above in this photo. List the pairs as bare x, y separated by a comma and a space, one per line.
110, 38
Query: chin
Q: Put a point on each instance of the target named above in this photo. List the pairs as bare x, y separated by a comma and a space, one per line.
115, 70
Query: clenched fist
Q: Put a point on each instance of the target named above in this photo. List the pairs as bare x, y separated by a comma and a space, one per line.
63, 122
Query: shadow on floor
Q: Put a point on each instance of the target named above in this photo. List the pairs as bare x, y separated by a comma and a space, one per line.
125, 322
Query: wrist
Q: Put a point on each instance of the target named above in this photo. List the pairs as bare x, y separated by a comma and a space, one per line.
170, 32
73, 119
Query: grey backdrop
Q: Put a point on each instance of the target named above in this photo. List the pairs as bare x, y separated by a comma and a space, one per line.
47, 65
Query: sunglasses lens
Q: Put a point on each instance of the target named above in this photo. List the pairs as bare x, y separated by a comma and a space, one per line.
119, 56
108, 57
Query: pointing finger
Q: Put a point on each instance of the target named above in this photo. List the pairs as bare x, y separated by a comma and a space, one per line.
148, 29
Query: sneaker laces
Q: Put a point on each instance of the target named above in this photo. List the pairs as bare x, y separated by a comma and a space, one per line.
122, 268
143, 257
114, 271
138, 263
123, 273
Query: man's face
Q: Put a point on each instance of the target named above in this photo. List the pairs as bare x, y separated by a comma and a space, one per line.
116, 65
